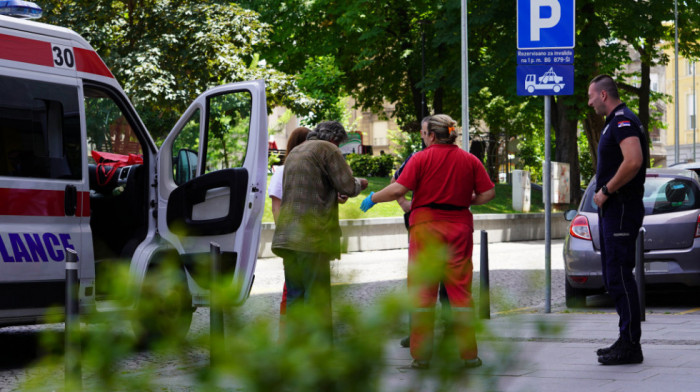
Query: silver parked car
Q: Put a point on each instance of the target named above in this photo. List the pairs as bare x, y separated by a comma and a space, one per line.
671, 242
694, 166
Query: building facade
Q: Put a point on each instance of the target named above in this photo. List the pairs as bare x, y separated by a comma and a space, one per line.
688, 90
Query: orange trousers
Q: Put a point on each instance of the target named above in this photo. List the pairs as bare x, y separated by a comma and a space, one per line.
437, 251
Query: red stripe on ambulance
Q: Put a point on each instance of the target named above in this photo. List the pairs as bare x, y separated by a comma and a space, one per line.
25, 50
88, 61
39, 202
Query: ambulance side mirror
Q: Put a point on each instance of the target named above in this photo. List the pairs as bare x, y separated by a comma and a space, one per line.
185, 166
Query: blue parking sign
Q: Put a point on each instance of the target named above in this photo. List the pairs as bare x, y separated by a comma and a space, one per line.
544, 24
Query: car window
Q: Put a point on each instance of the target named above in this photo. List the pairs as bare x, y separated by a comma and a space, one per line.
108, 127
587, 205
664, 195
39, 130
661, 195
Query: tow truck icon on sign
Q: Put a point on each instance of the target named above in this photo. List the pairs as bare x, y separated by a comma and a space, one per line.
548, 81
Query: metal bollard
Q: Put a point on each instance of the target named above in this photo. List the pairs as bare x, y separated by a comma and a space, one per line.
216, 315
73, 371
639, 275
484, 295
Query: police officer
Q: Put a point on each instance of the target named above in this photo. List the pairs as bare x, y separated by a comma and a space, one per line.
622, 154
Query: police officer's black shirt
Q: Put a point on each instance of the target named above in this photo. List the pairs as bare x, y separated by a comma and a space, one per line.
620, 124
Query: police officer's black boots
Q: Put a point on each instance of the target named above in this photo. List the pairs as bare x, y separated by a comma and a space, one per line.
606, 350
623, 352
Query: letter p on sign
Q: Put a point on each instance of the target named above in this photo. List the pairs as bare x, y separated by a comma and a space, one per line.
546, 24
537, 22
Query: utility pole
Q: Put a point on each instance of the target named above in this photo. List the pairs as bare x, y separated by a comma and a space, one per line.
465, 78
422, 62
675, 99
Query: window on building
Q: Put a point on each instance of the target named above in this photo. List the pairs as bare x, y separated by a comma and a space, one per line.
39, 129
380, 133
654, 82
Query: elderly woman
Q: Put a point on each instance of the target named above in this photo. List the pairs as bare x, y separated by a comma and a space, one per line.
445, 181
307, 234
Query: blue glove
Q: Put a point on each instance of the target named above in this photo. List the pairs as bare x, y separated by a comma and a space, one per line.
367, 203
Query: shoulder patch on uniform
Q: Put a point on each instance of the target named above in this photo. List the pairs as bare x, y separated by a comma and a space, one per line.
623, 123
619, 112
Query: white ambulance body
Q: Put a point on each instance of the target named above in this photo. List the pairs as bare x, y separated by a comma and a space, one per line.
59, 103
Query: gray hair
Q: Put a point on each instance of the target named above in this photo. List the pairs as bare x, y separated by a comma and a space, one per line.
444, 128
331, 131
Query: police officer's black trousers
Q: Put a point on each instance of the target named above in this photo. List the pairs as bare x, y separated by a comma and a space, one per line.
619, 225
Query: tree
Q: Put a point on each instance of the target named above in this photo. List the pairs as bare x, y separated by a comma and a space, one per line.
166, 53
375, 45
644, 27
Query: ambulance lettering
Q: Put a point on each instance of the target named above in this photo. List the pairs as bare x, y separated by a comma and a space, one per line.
34, 247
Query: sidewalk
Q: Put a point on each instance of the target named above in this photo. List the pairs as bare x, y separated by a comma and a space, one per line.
552, 352
565, 360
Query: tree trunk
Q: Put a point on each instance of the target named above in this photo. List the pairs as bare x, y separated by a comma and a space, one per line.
592, 127
643, 91
492, 157
437, 100
566, 150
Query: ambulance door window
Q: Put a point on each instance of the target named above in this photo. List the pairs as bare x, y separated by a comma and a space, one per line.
185, 148
228, 128
108, 128
39, 130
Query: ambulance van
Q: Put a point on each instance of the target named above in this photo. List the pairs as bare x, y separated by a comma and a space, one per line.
79, 170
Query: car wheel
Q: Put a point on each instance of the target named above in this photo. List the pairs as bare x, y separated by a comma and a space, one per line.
164, 309
575, 298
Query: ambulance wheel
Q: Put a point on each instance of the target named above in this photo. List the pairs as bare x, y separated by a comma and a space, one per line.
164, 308
575, 298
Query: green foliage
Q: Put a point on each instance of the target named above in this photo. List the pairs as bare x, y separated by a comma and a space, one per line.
585, 161
248, 354
166, 53
406, 143
321, 79
375, 49
370, 166
273, 159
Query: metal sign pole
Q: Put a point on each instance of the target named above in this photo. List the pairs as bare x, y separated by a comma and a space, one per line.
465, 78
547, 204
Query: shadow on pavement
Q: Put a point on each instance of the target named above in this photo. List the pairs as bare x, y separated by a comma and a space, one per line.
671, 299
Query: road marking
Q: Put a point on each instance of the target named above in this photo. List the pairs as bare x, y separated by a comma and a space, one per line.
690, 311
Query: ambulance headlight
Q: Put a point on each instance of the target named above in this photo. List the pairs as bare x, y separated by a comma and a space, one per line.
20, 9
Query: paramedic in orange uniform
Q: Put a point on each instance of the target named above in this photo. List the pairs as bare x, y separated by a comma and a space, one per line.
445, 181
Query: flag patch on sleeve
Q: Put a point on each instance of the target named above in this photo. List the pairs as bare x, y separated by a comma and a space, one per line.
624, 123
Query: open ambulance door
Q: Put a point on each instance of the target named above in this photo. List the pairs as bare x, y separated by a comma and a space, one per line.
212, 175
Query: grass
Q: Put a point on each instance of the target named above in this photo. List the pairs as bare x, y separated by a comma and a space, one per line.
501, 204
